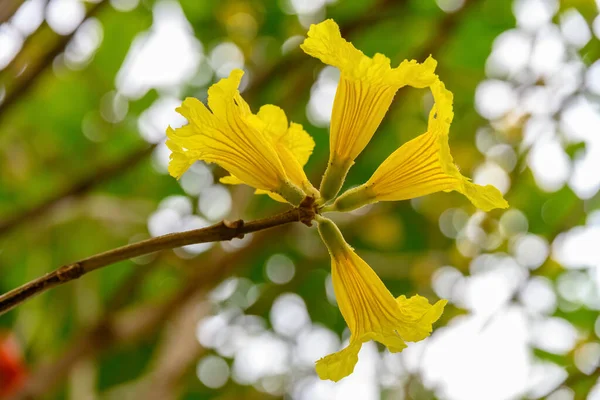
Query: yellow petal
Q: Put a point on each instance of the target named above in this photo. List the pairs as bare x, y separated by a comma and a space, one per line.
339, 365
369, 309
325, 42
180, 160
418, 308
226, 135
232, 180
365, 91
299, 142
272, 195
275, 120
292, 143
422, 166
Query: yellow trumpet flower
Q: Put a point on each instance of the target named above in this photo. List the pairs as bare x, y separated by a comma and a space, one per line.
258, 150
422, 166
369, 309
365, 91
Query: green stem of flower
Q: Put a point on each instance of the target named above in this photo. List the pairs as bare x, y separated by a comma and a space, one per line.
331, 235
333, 179
352, 199
292, 193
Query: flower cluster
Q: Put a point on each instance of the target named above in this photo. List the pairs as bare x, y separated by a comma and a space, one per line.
267, 152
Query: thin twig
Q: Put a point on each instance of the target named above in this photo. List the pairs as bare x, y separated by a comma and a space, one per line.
222, 231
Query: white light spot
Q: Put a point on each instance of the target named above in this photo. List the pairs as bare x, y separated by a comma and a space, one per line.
289, 315
181, 204
574, 28
592, 78
210, 329
263, 355
503, 155
445, 280
530, 250
329, 291
64, 16
280, 269
124, 5
307, 6
578, 247
538, 296
513, 222
165, 221
464, 360
510, 53
113, 107
213, 371
533, 14
494, 98
544, 378
452, 222
153, 122
537, 128
322, 95
215, 202
450, 6
490, 173
29, 16
85, 43
11, 41
224, 290
549, 52
226, 57
197, 179
554, 335
587, 357
314, 343
550, 164
163, 57
563, 393
292, 43
596, 26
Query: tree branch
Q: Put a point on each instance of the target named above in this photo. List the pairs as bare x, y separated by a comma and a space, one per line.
222, 231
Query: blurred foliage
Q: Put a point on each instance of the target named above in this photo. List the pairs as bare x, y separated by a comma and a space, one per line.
56, 137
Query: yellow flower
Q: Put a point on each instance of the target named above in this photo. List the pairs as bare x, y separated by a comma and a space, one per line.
422, 166
256, 149
292, 143
365, 91
369, 309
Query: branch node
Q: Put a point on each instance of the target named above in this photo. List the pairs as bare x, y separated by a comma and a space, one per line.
236, 226
307, 210
69, 272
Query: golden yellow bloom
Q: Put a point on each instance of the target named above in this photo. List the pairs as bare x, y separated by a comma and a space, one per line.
365, 91
422, 166
292, 143
256, 149
369, 309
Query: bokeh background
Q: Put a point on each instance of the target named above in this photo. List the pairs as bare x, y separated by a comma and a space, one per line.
86, 92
